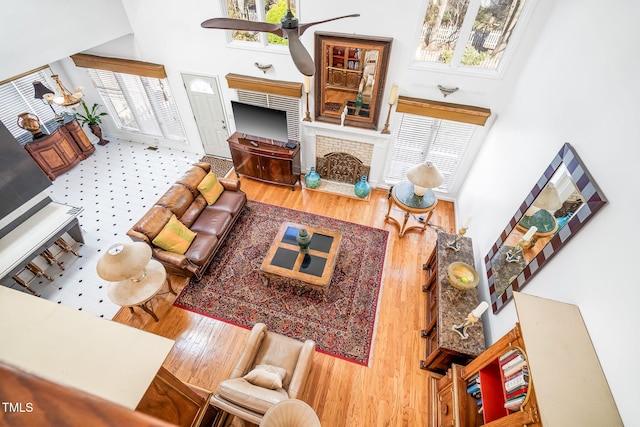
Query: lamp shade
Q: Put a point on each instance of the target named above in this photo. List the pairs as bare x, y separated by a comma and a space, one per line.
423, 176
548, 198
123, 261
290, 413
40, 90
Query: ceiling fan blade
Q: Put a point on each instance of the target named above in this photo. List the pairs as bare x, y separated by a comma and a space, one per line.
241, 25
303, 27
299, 54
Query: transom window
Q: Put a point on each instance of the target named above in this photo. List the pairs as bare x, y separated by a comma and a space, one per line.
468, 33
258, 10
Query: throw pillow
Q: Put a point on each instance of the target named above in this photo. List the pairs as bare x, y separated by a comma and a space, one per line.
210, 188
174, 237
266, 376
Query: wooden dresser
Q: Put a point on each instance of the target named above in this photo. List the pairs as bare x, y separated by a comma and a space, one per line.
265, 160
447, 306
62, 150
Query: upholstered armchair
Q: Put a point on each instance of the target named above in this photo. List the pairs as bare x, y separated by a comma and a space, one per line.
272, 368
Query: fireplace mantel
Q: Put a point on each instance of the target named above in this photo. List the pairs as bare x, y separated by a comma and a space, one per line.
381, 144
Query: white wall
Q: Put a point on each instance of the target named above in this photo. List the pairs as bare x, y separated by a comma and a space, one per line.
36, 32
580, 86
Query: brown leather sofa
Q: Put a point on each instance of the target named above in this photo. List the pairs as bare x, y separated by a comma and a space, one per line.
211, 223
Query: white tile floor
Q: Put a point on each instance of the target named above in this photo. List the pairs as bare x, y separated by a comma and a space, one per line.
115, 187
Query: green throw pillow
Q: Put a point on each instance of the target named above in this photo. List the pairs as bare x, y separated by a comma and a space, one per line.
210, 188
174, 237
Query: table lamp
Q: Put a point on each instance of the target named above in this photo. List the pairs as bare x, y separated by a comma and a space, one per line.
548, 199
424, 176
124, 261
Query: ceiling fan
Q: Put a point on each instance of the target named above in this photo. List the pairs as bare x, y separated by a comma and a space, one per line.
288, 28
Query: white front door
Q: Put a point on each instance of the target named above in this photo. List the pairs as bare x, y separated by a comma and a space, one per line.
206, 103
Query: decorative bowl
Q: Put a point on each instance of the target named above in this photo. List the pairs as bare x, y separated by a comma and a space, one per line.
462, 276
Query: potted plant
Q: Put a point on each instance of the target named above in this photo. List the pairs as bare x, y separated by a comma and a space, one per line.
92, 118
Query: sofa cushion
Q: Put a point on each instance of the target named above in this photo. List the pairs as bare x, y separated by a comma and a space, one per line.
253, 397
202, 248
210, 188
193, 176
193, 212
153, 222
230, 201
212, 221
178, 199
174, 237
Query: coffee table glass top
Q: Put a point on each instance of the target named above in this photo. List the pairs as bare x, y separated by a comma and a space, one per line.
315, 267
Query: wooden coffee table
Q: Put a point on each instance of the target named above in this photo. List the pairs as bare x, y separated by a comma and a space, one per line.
311, 270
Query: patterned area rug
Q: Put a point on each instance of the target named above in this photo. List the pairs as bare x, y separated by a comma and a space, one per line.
219, 166
342, 323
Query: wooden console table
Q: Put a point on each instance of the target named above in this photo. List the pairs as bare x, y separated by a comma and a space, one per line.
62, 150
448, 306
267, 160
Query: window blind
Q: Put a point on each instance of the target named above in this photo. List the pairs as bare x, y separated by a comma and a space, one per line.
419, 138
139, 104
17, 96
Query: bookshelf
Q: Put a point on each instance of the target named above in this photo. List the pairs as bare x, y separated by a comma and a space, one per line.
526, 376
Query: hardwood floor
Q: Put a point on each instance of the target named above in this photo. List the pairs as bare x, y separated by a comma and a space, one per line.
393, 390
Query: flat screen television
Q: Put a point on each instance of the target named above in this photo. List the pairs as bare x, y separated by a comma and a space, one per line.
260, 121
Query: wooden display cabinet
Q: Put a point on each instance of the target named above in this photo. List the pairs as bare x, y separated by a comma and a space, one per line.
267, 160
557, 381
62, 150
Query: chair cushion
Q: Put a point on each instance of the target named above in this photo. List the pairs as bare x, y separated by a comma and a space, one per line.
210, 188
193, 176
230, 201
193, 212
278, 350
253, 397
202, 248
174, 237
212, 221
267, 376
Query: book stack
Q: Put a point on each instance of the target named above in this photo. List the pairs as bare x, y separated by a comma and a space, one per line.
516, 378
473, 388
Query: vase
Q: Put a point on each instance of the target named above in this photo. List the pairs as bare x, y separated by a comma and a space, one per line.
362, 188
97, 131
30, 122
312, 179
304, 240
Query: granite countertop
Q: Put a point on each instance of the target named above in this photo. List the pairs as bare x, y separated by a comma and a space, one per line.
454, 304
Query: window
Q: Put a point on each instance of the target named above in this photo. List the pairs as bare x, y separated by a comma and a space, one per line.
420, 138
258, 10
139, 104
17, 96
468, 33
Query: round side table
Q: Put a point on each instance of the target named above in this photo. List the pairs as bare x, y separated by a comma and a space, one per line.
128, 293
403, 197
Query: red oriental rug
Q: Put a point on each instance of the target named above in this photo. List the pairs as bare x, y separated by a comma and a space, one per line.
342, 323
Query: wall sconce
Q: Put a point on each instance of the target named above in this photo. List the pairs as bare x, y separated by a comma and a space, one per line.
40, 91
307, 89
424, 176
461, 232
64, 97
392, 100
263, 67
517, 252
446, 91
472, 318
